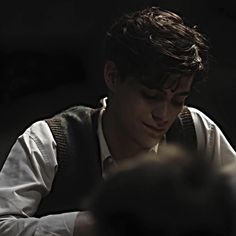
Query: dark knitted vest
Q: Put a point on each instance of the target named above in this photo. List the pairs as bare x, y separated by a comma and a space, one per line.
79, 167
78, 155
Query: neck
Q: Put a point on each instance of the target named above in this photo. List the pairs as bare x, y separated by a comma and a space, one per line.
119, 144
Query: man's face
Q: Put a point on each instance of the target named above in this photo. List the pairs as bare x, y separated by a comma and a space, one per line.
144, 115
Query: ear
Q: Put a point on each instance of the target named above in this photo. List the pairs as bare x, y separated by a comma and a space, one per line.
111, 75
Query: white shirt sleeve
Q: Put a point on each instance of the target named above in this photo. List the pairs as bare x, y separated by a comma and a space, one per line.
211, 140
26, 177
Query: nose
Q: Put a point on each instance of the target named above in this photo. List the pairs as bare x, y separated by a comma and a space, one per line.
160, 112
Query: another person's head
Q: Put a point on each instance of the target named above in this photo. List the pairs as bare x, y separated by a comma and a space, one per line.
179, 195
152, 61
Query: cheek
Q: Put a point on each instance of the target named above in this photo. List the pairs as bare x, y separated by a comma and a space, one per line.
134, 104
134, 112
174, 113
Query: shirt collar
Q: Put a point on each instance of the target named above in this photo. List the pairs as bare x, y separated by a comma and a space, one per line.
104, 150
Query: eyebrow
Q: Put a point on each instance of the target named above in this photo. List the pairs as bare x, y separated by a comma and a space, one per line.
183, 93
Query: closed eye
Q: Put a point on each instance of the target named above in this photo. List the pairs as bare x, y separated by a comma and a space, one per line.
179, 101
150, 96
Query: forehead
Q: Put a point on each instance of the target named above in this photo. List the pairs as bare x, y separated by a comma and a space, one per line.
173, 83
178, 83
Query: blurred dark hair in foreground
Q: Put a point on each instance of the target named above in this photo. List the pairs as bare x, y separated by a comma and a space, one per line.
176, 194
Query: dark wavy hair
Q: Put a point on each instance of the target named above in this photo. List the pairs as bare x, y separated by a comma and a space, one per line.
154, 44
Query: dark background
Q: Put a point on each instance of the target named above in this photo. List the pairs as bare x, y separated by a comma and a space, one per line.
51, 58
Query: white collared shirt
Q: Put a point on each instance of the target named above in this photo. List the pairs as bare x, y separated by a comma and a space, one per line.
31, 165
104, 150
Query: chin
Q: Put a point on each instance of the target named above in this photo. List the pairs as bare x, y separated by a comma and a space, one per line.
150, 142
147, 140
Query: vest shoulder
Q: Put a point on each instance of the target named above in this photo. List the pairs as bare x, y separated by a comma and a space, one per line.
195, 111
199, 116
75, 112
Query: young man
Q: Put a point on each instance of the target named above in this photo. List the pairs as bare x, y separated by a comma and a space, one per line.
152, 61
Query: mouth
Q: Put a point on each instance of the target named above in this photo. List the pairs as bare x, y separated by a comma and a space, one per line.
154, 128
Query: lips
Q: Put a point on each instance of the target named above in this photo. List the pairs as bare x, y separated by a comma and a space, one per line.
157, 129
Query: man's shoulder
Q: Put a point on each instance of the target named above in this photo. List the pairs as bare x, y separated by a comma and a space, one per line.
75, 118
200, 116
195, 110
186, 128
77, 111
